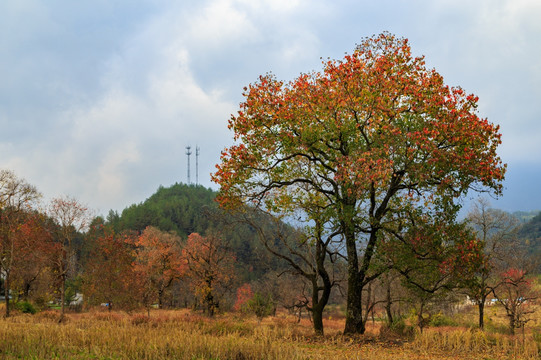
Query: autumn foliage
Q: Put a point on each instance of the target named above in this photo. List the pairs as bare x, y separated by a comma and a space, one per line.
377, 134
351, 177
210, 267
158, 263
375, 118
244, 294
36, 250
517, 295
17, 197
110, 276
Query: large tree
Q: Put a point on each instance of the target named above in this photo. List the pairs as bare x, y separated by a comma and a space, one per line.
210, 268
158, 261
16, 198
374, 133
109, 275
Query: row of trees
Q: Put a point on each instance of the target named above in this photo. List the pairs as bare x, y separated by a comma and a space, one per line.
32, 240
130, 271
51, 252
45, 251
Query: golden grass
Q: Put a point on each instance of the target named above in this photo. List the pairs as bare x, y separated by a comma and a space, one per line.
180, 334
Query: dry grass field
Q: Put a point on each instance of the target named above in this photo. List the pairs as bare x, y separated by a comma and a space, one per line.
181, 334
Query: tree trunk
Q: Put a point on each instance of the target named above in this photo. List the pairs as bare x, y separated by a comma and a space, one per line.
62, 297
318, 304
6, 292
388, 304
354, 311
512, 324
368, 307
355, 323
26, 291
211, 309
481, 306
420, 318
160, 298
317, 317
28, 285
210, 304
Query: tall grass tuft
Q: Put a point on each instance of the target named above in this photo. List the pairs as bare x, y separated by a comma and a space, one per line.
474, 341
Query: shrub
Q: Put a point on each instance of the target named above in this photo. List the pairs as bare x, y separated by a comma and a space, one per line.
398, 327
440, 319
41, 302
244, 295
260, 305
25, 307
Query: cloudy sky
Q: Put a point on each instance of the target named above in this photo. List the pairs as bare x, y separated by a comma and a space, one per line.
99, 98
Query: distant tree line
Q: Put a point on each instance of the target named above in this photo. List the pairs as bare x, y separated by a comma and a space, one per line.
250, 262
176, 249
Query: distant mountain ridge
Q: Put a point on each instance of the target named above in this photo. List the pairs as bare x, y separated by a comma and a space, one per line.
185, 209
532, 229
525, 216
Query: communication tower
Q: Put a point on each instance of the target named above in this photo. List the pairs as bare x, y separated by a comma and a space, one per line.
197, 165
188, 153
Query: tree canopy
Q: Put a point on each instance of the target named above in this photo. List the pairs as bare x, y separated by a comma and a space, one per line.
378, 135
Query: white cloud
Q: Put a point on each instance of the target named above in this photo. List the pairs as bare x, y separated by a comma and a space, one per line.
111, 179
99, 100
139, 127
220, 23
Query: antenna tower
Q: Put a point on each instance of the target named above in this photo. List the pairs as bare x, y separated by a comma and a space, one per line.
196, 165
188, 153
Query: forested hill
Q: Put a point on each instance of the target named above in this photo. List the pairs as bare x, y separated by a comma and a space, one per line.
186, 209
531, 233
180, 208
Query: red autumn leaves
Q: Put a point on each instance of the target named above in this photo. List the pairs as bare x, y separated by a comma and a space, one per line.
132, 270
367, 118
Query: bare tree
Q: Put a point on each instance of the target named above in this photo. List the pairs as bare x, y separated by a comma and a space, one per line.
496, 230
516, 292
71, 218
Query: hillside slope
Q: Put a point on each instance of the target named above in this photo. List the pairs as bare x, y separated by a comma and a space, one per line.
186, 209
